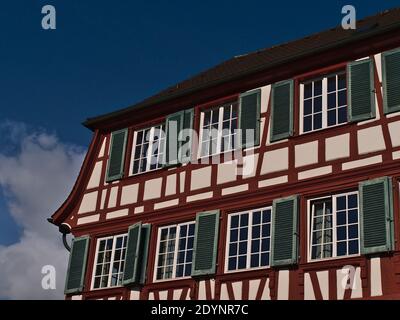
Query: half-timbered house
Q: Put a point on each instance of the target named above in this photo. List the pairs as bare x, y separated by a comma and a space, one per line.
307, 208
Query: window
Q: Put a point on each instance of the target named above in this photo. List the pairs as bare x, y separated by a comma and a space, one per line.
110, 262
218, 128
334, 226
324, 102
148, 149
249, 239
175, 251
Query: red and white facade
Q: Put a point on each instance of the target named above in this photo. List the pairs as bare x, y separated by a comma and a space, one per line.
317, 164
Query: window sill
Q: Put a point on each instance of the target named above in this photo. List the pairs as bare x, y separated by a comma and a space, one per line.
333, 259
171, 279
226, 272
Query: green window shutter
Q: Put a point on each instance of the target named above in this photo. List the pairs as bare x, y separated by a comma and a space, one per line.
391, 80
143, 252
77, 266
115, 169
284, 235
174, 125
282, 110
249, 117
205, 243
188, 119
132, 254
360, 90
376, 216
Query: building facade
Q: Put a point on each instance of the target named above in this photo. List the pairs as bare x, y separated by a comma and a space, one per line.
305, 206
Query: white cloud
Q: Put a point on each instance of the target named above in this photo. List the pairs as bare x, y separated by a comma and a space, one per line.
35, 179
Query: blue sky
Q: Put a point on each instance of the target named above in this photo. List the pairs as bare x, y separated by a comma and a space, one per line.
106, 55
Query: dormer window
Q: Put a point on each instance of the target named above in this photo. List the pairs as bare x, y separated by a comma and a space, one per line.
323, 102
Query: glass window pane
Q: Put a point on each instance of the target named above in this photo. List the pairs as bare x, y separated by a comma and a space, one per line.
341, 233
242, 262
243, 234
318, 104
341, 203
254, 260
332, 117
232, 264
332, 84
307, 90
244, 220
307, 124
317, 88
257, 217
353, 216
341, 218
342, 115
342, 98
341, 81
307, 107
332, 100
353, 247
341, 248
353, 232
318, 121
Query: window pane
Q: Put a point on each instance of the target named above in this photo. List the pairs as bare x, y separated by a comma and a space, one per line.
353, 247
341, 249
342, 98
257, 217
307, 107
318, 104
332, 100
232, 264
318, 121
332, 84
341, 233
254, 261
318, 88
332, 117
342, 115
307, 124
242, 262
307, 90
342, 81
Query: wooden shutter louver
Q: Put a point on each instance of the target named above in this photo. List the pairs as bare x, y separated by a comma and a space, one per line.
77, 266
175, 124
282, 110
360, 91
143, 252
137, 254
132, 254
188, 119
115, 169
391, 80
376, 216
205, 243
284, 236
249, 117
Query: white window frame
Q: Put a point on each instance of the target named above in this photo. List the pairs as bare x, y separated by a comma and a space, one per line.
249, 239
324, 102
310, 223
149, 150
178, 229
111, 260
220, 124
